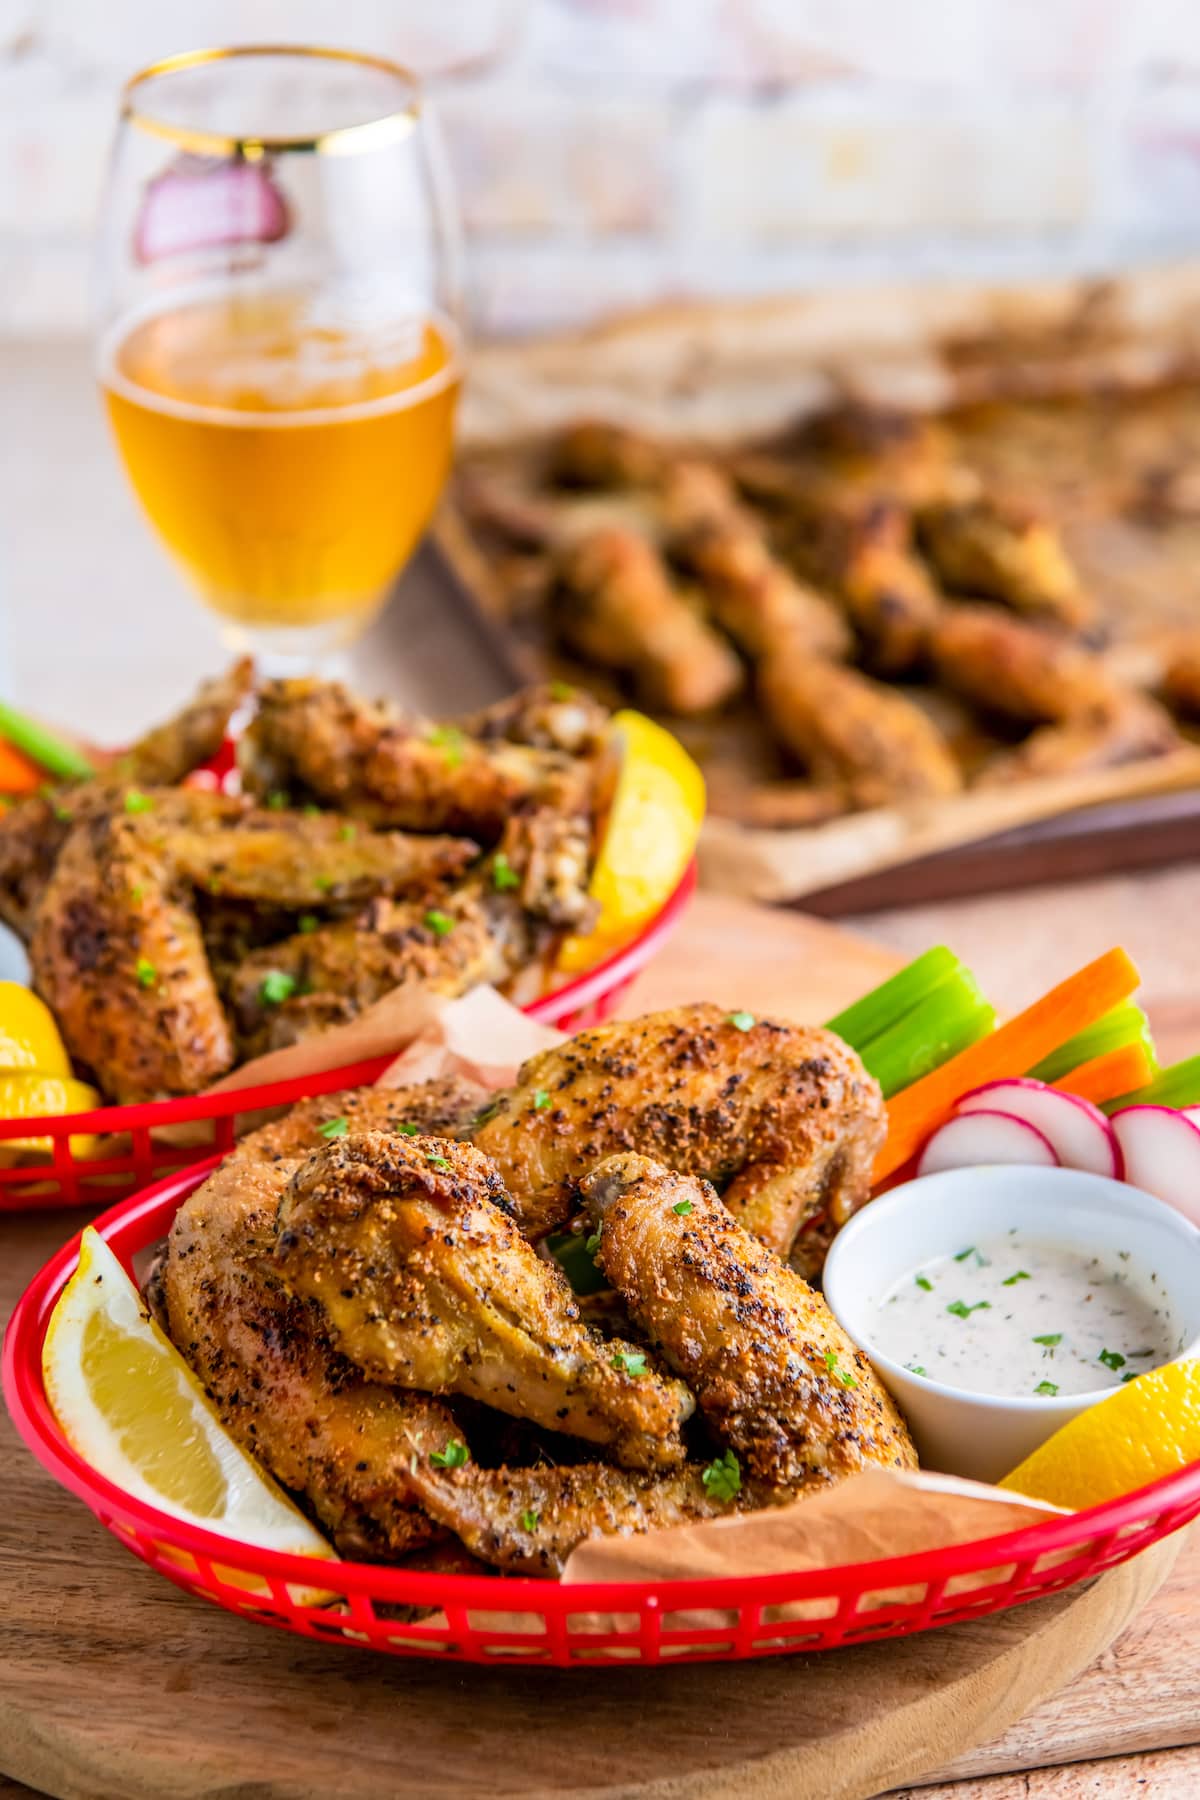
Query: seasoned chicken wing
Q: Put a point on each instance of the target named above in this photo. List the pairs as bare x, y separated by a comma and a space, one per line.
615, 602
347, 1445
783, 1117
33, 831
1011, 668
774, 1374
755, 598
995, 552
884, 585
1127, 729
855, 734
407, 1247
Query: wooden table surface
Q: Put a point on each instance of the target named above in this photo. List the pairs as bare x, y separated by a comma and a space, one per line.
102, 585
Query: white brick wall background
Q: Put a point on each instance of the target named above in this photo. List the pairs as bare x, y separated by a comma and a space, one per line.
613, 152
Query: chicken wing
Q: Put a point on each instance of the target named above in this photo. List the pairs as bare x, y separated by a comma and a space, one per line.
407, 1248
347, 1445
615, 603
554, 716
983, 549
886, 588
853, 733
1011, 668
755, 598
34, 830
783, 1117
1128, 729
774, 1375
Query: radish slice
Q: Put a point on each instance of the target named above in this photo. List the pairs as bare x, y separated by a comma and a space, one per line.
1080, 1135
986, 1137
1161, 1148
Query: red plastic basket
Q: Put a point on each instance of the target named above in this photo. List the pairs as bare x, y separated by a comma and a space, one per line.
485, 1619
70, 1180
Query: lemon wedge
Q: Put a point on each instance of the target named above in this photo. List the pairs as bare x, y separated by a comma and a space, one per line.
653, 823
129, 1404
28, 1034
30, 1095
1148, 1428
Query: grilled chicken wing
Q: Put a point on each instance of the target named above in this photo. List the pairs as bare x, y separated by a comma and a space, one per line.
615, 602
347, 1445
365, 759
34, 830
407, 1248
984, 549
755, 598
1008, 667
774, 1375
783, 1117
855, 734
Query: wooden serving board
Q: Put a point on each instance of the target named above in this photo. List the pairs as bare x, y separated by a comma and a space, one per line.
113, 1683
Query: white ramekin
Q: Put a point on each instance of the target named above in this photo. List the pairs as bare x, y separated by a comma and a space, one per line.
980, 1435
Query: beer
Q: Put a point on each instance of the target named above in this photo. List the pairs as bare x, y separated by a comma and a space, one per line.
288, 449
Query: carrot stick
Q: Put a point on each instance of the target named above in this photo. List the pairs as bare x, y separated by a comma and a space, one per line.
1071, 1006
17, 774
1117, 1072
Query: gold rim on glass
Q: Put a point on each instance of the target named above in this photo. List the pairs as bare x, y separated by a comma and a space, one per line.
341, 140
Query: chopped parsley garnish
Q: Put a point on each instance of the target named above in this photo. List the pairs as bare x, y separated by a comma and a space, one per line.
963, 1254
323, 883
147, 974
530, 1521
311, 811
723, 1478
307, 922
561, 690
49, 794
135, 893
1012, 1280
334, 1128
137, 802
843, 1375
437, 1162
1112, 1359
440, 923
924, 1283
504, 876
277, 800
452, 1457
741, 1021
541, 1100
915, 1368
632, 1362
348, 833
407, 1130
277, 986
1046, 1387
682, 1207
450, 739
1130, 1375
1051, 1339
592, 1244
961, 1310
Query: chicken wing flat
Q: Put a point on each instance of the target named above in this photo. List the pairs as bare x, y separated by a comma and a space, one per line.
407, 1247
34, 830
853, 733
117, 953
999, 554
1128, 729
870, 561
345, 1444
1011, 668
755, 598
774, 1375
615, 602
783, 1117
317, 739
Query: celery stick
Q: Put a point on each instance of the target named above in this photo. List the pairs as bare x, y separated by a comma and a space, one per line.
1176, 1086
954, 1016
42, 747
569, 1250
1125, 1024
887, 1004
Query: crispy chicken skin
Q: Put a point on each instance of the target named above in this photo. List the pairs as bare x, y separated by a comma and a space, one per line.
407, 1247
854, 734
774, 1375
33, 831
1006, 666
347, 1445
783, 1117
294, 861
366, 759
615, 602
984, 549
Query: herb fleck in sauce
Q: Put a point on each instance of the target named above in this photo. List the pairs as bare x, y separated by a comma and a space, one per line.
1022, 1315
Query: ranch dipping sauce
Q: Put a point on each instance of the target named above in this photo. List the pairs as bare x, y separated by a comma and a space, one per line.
1019, 1315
